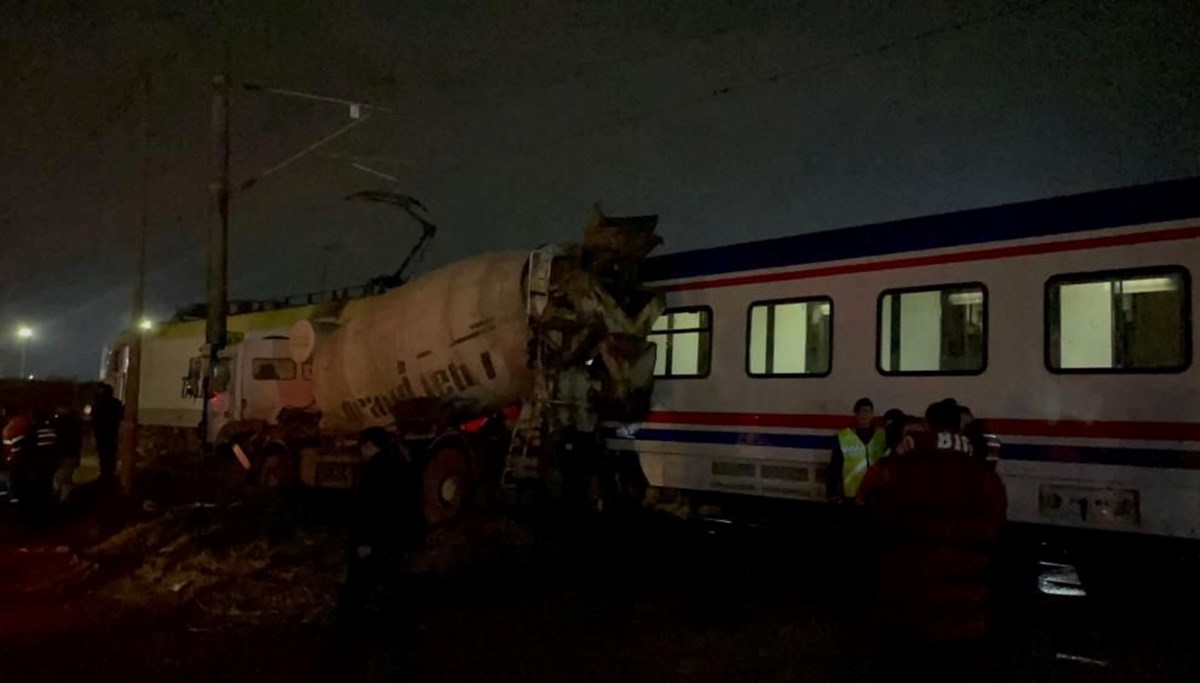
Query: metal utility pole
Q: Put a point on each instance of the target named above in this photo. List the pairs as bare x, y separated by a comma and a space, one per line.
218, 238
221, 187
133, 373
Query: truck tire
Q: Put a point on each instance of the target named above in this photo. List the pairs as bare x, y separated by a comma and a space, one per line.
445, 483
278, 469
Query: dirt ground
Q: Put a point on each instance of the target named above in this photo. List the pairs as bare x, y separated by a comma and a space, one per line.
230, 588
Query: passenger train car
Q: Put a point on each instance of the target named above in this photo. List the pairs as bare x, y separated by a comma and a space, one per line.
1065, 323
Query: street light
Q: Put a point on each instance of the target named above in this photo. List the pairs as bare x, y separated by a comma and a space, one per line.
24, 334
146, 325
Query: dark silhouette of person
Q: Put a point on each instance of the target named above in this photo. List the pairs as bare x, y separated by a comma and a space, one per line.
387, 526
107, 413
387, 522
935, 514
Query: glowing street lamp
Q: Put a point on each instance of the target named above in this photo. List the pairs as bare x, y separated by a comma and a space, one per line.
24, 334
146, 325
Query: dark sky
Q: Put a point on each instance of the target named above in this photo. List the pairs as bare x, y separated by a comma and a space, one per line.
733, 120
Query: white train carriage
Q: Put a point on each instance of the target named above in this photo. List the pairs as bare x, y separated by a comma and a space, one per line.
1065, 323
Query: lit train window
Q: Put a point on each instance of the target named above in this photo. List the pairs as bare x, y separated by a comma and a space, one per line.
790, 338
938, 330
1119, 321
684, 341
278, 369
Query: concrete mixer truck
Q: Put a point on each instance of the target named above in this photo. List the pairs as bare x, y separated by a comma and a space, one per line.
491, 369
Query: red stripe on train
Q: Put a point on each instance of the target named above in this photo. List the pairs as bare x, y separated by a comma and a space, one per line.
941, 259
1145, 431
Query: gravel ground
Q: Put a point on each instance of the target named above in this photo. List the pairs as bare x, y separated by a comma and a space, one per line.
198, 594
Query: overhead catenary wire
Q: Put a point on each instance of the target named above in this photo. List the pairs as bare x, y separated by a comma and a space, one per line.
366, 159
623, 120
286, 92
377, 174
950, 27
626, 119
250, 182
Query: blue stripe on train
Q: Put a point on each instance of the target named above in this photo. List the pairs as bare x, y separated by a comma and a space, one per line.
1091, 455
1157, 202
1097, 455
817, 441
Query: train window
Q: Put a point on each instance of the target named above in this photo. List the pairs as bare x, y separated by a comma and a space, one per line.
684, 341
791, 338
938, 330
276, 369
1119, 321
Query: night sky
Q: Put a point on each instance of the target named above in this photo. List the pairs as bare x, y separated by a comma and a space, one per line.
732, 120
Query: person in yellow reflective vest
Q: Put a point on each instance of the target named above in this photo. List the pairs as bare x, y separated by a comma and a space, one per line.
856, 451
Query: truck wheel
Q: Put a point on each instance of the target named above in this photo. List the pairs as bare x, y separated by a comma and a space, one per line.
445, 480
277, 467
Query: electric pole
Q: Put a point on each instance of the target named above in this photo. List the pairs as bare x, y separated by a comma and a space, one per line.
218, 236
133, 374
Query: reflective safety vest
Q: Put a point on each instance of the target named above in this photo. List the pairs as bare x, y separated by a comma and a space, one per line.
857, 457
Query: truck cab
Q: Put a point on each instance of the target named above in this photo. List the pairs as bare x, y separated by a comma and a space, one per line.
255, 379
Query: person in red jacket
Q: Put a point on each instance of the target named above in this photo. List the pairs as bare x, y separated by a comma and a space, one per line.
935, 513
31, 457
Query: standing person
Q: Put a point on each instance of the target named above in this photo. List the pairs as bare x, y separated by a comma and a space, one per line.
70, 445
31, 448
936, 514
107, 413
47, 460
893, 430
387, 522
965, 417
975, 431
20, 453
857, 450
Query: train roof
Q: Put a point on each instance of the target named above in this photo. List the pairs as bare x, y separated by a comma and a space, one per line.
1151, 203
